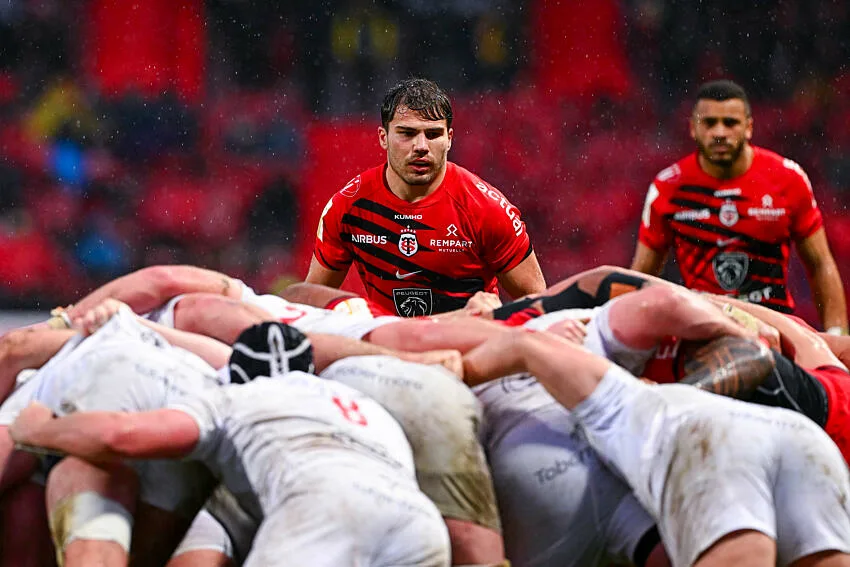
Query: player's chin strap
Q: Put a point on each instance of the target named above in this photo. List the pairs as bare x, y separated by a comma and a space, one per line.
269, 349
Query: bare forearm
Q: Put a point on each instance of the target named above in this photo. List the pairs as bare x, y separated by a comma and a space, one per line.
493, 359
805, 347
829, 298
313, 294
569, 372
84, 435
642, 318
149, 288
214, 352
463, 334
104, 437
327, 349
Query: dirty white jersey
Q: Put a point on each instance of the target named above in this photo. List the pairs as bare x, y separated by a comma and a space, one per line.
82, 364
260, 438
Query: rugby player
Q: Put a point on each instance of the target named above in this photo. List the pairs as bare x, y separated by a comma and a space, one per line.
728, 483
332, 480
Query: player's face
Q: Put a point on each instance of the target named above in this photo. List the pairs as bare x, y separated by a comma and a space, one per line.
416, 147
721, 129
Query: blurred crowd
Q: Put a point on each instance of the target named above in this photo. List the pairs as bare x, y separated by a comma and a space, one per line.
134, 133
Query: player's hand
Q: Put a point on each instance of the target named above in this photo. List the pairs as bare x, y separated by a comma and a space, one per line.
29, 420
482, 304
449, 359
570, 329
97, 316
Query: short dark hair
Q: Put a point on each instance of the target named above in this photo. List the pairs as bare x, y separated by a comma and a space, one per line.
421, 96
724, 89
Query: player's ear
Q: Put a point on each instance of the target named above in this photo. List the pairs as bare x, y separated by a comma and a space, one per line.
692, 127
451, 135
382, 137
748, 131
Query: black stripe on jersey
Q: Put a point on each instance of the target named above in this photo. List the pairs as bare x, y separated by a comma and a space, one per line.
708, 191
766, 270
390, 214
773, 251
524, 256
446, 283
691, 205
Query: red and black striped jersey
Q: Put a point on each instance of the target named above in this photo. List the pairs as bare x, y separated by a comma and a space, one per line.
732, 236
425, 257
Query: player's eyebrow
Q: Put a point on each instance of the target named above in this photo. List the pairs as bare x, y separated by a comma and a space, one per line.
430, 130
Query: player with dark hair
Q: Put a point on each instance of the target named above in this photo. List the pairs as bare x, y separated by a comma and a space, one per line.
731, 210
325, 470
423, 233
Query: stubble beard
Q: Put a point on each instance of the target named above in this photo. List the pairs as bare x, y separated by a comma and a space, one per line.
411, 178
727, 162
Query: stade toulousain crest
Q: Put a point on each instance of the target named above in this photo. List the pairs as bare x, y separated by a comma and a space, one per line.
728, 214
407, 243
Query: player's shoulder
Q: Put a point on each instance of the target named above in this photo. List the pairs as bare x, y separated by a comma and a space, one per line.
470, 190
776, 164
360, 185
677, 173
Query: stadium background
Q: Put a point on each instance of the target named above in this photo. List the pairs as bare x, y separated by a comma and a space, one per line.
141, 132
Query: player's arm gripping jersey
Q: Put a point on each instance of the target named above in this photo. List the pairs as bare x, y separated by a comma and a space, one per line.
425, 257
733, 236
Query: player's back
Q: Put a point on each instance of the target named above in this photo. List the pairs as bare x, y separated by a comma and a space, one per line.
122, 362
269, 434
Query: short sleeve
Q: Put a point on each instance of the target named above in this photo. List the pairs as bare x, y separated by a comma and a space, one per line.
806, 217
505, 241
205, 408
654, 229
330, 250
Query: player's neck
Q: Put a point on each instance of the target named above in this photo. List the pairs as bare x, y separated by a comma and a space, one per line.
736, 169
412, 193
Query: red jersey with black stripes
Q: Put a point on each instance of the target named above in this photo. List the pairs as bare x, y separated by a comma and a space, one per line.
732, 236
425, 257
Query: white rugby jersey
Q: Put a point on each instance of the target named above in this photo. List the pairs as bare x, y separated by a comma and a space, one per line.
100, 362
259, 437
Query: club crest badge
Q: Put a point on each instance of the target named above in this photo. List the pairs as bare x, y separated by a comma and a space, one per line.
413, 301
407, 243
728, 214
730, 269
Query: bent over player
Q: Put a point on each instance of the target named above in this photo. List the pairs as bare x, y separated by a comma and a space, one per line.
325, 469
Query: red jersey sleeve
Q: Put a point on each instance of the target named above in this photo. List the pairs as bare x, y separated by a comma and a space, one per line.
330, 250
805, 215
654, 229
505, 242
